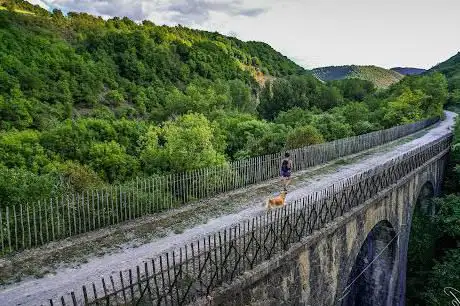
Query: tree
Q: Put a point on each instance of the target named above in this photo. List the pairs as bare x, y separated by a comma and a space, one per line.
358, 116
435, 89
329, 97
229, 125
405, 108
190, 144
58, 16
303, 136
444, 276
14, 111
276, 97
241, 96
294, 117
115, 98
69, 140
354, 89
78, 178
22, 149
111, 162
454, 97
152, 156
332, 126
19, 186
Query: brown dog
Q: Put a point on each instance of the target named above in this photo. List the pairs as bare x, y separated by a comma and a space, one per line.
277, 201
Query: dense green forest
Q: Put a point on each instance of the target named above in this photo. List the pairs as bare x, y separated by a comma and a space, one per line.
434, 249
86, 102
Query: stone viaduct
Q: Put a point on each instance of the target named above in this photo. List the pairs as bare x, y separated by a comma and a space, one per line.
357, 259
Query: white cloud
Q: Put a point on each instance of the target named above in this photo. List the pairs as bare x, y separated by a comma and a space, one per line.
41, 3
129, 8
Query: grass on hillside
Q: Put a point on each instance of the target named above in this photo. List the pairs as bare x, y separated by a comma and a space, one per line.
381, 77
23, 12
2, 8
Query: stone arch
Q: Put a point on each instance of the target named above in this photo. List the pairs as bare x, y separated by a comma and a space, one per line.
418, 220
423, 200
370, 279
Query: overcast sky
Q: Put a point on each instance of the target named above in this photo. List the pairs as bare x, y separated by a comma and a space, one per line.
313, 33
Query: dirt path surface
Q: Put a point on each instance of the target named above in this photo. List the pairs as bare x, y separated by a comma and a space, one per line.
81, 260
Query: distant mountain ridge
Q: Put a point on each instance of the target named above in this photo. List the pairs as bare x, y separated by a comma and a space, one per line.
381, 77
408, 70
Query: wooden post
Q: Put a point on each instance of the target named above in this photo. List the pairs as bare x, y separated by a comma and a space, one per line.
1, 230
123, 287
8, 227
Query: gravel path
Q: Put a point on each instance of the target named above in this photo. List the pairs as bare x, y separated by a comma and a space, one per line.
38, 291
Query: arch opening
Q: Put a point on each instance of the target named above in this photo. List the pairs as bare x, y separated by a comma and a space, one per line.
370, 278
422, 244
424, 204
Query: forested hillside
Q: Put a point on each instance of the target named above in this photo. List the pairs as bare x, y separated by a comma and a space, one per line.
451, 69
86, 102
434, 246
380, 77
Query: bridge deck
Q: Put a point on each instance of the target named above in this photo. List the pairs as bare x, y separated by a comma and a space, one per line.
128, 245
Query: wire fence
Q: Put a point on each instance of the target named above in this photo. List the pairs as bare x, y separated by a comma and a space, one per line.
182, 276
33, 224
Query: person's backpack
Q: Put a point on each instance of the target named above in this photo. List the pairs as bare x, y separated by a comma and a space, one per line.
284, 165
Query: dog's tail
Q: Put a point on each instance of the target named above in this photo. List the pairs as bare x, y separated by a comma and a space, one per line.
267, 204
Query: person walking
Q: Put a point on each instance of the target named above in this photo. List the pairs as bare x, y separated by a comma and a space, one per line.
286, 166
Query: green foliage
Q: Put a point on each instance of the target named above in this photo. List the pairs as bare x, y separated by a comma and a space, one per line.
303, 136
332, 126
241, 97
110, 161
451, 70
413, 98
404, 108
191, 144
19, 186
150, 156
22, 150
354, 89
295, 116
448, 216
14, 111
87, 62
78, 178
358, 115
444, 275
